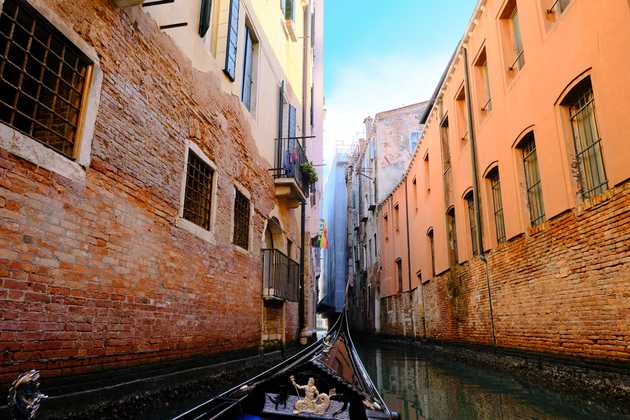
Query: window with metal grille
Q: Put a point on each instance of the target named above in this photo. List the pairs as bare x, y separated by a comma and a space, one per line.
451, 231
232, 41
497, 204
44, 79
431, 250
588, 152
241, 220
532, 180
198, 193
470, 206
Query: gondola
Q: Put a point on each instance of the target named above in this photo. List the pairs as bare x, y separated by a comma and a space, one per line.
326, 380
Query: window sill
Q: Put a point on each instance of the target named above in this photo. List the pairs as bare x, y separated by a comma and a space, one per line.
196, 230
241, 250
33, 151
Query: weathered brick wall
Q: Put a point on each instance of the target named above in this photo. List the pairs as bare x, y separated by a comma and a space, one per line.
564, 288
98, 274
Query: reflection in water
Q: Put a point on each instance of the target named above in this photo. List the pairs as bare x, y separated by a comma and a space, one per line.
419, 388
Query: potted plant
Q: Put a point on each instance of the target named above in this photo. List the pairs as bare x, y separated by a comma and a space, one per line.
309, 173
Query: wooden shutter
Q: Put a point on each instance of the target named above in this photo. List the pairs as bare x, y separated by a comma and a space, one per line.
232, 40
246, 90
204, 17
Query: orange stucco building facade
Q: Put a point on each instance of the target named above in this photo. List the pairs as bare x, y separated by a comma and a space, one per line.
549, 94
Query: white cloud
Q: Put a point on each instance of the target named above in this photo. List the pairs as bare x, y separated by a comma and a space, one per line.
379, 83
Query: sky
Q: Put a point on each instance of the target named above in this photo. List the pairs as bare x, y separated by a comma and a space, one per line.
384, 54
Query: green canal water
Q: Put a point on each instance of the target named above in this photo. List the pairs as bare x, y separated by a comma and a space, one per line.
422, 388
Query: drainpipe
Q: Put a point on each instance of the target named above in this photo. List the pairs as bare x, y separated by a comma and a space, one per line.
305, 44
475, 175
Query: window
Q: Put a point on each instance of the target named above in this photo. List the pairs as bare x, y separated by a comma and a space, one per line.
204, 17
472, 222
413, 141
198, 192
497, 204
482, 81
515, 54
415, 193
386, 226
397, 217
588, 152
451, 232
446, 153
431, 250
232, 41
289, 248
427, 173
241, 220
370, 250
248, 69
288, 9
44, 79
375, 249
399, 273
462, 119
558, 7
532, 180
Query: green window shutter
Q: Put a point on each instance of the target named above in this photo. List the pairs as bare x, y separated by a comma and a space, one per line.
204, 17
232, 40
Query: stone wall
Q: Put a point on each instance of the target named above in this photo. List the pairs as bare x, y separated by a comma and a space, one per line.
563, 288
97, 274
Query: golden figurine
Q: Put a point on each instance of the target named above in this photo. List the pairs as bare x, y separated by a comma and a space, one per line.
313, 401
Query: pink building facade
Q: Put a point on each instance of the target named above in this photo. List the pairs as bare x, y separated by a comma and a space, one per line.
548, 97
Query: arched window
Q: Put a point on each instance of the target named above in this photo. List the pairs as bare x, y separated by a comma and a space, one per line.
527, 148
431, 250
472, 221
451, 231
588, 153
494, 182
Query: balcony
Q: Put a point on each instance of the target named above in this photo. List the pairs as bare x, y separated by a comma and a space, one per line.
281, 276
291, 184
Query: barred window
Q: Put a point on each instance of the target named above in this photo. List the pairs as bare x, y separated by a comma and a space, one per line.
497, 203
588, 152
472, 222
198, 194
451, 231
241, 220
44, 78
532, 180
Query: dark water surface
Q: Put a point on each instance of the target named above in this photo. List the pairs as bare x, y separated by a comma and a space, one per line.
422, 388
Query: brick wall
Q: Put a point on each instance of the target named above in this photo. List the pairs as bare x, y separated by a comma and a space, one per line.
563, 288
97, 274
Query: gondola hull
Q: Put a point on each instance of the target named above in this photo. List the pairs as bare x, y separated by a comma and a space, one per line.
326, 380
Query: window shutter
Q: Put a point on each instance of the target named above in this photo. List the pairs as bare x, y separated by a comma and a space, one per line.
204, 17
232, 40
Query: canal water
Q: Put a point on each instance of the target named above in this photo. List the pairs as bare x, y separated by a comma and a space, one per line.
422, 388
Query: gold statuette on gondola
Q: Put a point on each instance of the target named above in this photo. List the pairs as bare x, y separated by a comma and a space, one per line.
313, 401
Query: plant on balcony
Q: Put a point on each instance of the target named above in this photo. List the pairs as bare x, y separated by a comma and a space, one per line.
309, 172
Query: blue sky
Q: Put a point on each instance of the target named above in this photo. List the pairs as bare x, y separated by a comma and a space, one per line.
382, 54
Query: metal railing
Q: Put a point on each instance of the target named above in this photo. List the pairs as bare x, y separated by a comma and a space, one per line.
290, 156
281, 275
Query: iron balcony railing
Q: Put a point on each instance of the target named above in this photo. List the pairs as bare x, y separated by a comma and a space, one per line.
281, 276
290, 156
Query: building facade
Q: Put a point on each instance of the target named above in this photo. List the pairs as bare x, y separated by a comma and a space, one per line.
376, 166
153, 179
515, 197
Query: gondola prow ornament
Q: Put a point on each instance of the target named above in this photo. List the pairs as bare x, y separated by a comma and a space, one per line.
313, 401
24, 396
